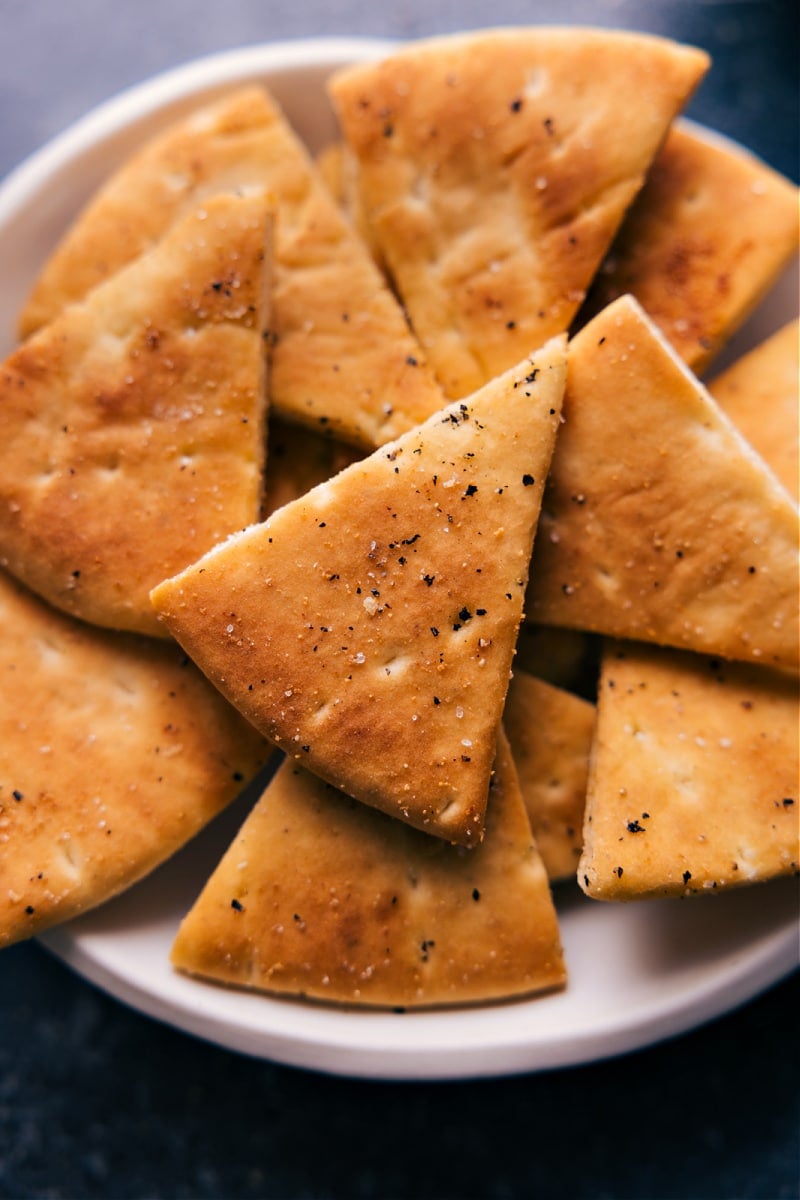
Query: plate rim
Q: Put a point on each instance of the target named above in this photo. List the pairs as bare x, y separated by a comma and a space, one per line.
775, 957
749, 976
149, 95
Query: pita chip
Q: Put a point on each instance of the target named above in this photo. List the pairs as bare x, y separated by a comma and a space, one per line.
322, 897
114, 751
708, 235
694, 783
343, 358
494, 169
550, 732
134, 423
368, 628
660, 523
759, 394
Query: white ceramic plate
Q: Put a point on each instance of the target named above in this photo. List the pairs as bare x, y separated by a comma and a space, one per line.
638, 973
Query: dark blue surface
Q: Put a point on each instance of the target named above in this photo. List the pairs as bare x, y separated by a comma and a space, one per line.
97, 1101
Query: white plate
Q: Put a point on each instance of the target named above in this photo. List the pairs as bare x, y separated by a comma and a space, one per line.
638, 973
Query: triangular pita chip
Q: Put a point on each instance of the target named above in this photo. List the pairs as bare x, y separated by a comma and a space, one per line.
760, 395
550, 732
368, 628
134, 424
659, 522
343, 358
694, 783
708, 235
494, 170
114, 751
320, 896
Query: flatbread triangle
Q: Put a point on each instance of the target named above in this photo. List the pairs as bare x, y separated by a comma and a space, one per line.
368, 628
694, 785
322, 897
493, 184
114, 752
122, 417
659, 522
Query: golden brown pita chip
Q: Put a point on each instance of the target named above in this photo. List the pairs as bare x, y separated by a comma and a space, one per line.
694, 784
368, 628
659, 522
343, 357
494, 170
710, 232
550, 732
298, 460
114, 751
759, 394
133, 424
320, 896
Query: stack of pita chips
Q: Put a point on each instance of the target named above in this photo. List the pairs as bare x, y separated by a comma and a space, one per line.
368, 629
343, 359
345, 537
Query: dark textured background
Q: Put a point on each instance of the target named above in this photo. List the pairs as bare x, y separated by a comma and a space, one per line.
98, 1101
